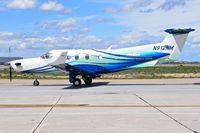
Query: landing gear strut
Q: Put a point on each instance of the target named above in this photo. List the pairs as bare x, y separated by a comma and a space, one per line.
36, 83
76, 81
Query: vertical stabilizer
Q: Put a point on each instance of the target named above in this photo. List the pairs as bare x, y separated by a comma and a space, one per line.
176, 40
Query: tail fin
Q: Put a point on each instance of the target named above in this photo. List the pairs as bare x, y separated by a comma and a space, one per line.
175, 41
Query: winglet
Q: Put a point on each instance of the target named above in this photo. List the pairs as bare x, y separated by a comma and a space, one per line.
179, 31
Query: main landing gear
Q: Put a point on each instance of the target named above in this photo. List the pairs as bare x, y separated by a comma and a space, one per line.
87, 80
77, 82
73, 78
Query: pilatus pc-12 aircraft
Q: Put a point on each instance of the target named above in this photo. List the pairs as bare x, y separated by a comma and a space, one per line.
92, 63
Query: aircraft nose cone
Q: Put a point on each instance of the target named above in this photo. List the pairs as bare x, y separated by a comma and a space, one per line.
17, 66
12, 64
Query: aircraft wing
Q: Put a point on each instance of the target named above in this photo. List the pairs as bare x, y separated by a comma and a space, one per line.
59, 61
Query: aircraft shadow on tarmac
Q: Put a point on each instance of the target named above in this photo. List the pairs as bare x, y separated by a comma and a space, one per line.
110, 84
87, 86
69, 86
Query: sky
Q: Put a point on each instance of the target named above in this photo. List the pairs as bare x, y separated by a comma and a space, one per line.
33, 27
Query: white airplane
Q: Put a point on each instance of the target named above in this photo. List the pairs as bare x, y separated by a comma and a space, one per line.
93, 63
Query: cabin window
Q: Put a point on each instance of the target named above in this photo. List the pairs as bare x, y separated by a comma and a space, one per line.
87, 57
76, 57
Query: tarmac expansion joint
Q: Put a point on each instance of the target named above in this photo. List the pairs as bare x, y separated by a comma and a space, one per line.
45, 116
172, 118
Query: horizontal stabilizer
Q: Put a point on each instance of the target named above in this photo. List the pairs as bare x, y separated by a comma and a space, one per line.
179, 31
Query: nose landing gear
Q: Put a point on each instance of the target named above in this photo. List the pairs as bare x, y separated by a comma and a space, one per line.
36, 83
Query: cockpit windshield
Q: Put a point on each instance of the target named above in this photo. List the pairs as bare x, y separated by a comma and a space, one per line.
46, 56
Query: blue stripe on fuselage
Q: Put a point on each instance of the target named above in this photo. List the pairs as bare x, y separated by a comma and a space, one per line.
123, 64
142, 54
42, 69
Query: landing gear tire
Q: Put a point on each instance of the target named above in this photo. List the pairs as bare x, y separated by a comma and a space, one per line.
36, 83
77, 82
88, 80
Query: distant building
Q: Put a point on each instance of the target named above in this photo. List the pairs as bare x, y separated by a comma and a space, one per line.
4, 60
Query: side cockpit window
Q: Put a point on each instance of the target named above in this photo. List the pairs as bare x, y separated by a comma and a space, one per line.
46, 56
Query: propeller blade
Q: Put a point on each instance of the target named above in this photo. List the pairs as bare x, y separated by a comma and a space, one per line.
10, 70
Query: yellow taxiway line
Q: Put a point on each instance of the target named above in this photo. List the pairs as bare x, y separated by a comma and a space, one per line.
90, 105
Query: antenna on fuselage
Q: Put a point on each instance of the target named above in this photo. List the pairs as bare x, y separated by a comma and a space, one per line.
109, 48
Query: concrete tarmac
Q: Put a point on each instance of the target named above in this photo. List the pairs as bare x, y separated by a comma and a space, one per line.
108, 106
